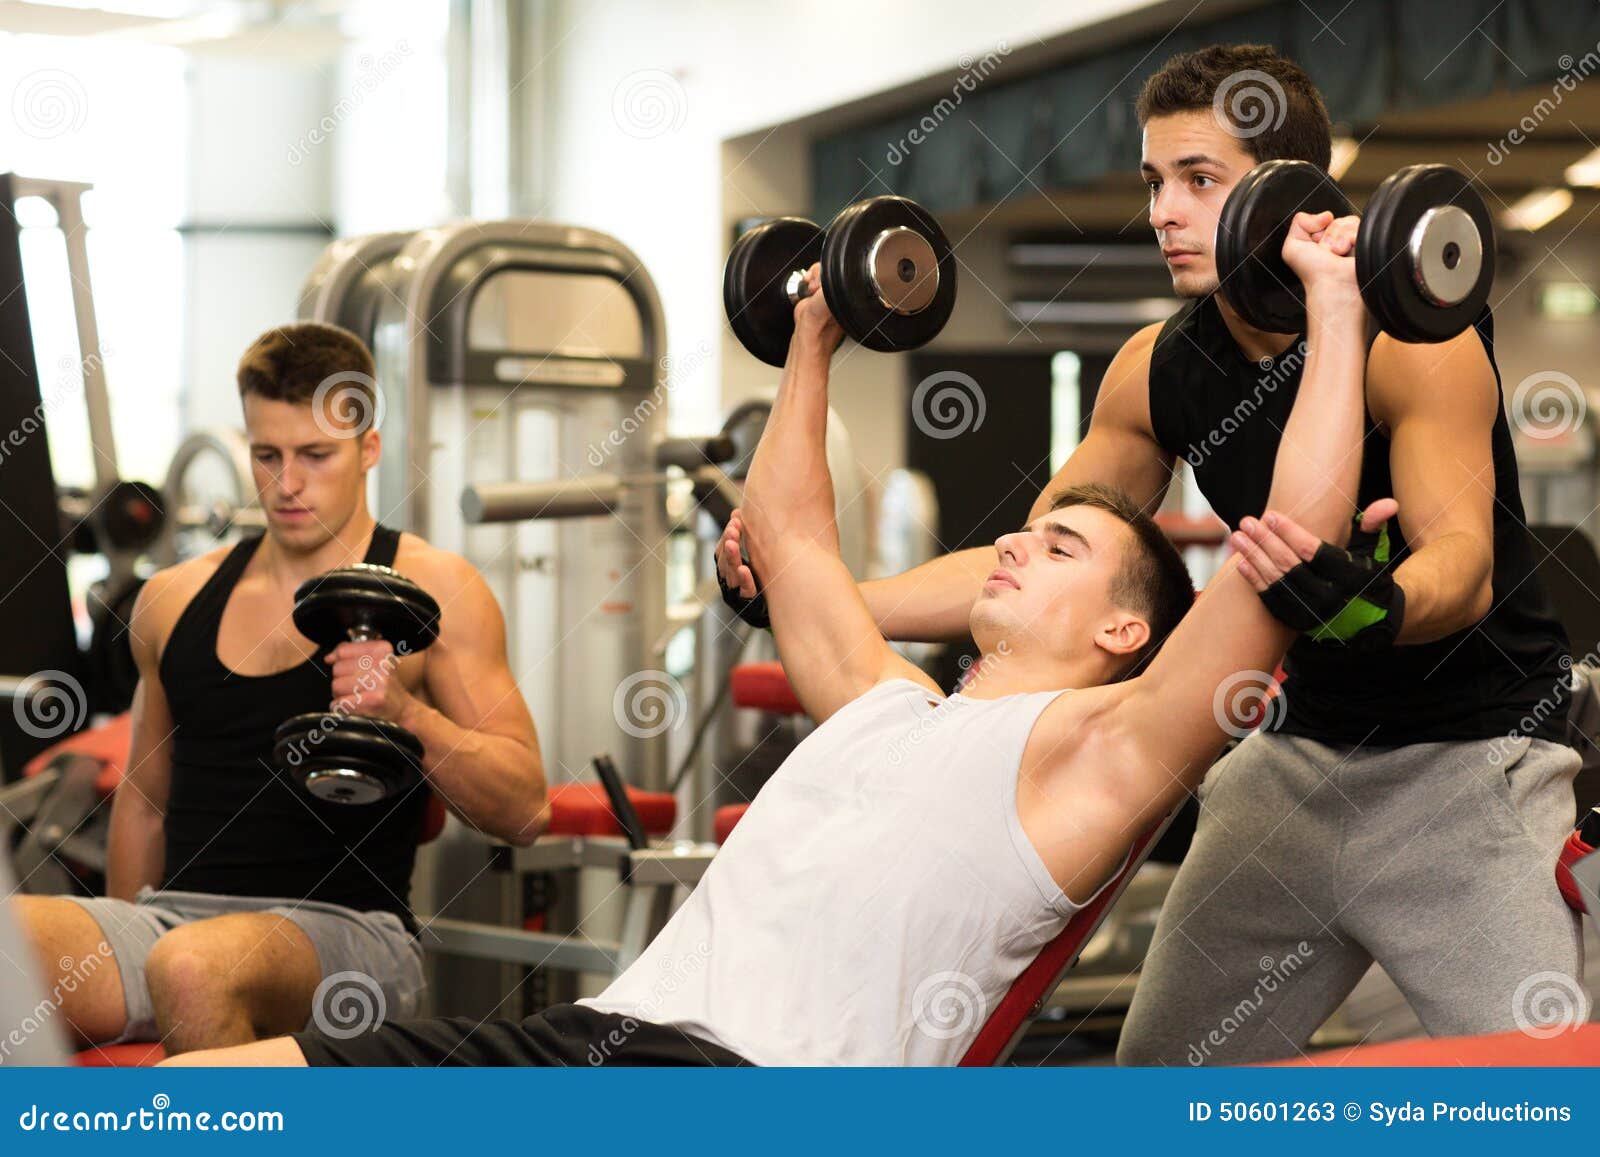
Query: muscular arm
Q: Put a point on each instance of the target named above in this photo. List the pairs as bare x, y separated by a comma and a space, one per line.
1134, 749
136, 853
480, 749
930, 603
830, 646
1439, 403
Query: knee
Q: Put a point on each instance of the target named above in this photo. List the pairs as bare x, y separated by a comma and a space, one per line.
183, 972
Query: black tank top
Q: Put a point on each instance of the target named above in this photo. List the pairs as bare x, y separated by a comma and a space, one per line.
1505, 675
235, 824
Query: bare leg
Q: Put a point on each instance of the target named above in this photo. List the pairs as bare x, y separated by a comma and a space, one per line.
230, 980
80, 971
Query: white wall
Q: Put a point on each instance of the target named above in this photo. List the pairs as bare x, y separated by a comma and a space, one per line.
642, 97
245, 120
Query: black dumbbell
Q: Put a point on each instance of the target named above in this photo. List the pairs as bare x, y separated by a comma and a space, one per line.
888, 274
354, 759
1424, 252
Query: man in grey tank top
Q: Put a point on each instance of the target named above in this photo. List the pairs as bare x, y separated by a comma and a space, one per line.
912, 843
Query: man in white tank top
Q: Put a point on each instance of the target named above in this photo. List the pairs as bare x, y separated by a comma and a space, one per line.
915, 852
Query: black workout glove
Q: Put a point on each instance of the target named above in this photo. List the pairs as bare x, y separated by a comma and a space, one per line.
1346, 597
752, 610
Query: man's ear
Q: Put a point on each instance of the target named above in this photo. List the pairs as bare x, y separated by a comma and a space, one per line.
371, 446
1123, 633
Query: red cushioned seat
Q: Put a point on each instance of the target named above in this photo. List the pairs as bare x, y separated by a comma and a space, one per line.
1580, 1046
727, 817
130, 1056
432, 820
107, 743
764, 687
581, 809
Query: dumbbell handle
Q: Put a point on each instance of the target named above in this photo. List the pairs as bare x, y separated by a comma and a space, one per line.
797, 287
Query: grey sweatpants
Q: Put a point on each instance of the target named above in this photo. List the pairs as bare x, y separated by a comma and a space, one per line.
1310, 861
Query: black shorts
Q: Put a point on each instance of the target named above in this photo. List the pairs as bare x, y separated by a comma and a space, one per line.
568, 1035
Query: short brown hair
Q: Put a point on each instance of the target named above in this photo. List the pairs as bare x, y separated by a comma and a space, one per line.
1153, 580
1276, 112
289, 363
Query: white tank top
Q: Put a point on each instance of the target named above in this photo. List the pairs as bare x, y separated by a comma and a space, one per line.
874, 903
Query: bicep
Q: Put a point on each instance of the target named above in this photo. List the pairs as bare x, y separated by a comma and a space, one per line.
1199, 690
148, 775
467, 674
829, 644
1440, 405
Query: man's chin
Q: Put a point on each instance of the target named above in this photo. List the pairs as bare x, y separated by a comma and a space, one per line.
1191, 286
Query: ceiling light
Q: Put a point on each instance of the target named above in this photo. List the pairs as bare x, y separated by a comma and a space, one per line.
1345, 151
1537, 209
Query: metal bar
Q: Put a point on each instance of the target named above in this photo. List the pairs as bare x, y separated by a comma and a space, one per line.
516, 946
69, 213
519, 501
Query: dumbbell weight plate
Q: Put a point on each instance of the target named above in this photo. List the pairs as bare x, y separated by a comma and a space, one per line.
1425, 253
328, 606
1255, 220
755, 283
350, 759
889, 274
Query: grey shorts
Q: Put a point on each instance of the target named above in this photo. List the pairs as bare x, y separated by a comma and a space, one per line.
367, 959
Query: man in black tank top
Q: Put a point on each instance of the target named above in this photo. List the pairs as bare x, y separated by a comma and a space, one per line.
239, 905
1409, 802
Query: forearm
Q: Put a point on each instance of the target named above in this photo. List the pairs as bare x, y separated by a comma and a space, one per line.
494, 782
135, 849
1318, 468
930, 603
788, 494
1447, 588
